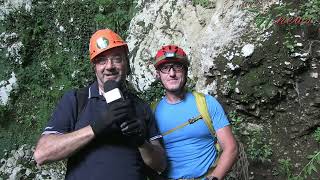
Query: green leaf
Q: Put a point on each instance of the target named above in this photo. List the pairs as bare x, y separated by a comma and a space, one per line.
310, 156
252, 10
314, 168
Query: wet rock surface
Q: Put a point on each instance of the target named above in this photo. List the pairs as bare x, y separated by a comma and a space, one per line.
280, 94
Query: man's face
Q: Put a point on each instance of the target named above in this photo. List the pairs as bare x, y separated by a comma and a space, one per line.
111, 65
172, 76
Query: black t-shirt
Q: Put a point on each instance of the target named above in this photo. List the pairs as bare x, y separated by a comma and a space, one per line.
107, 157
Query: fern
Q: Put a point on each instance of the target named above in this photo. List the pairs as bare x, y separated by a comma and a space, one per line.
311, 166
316, 135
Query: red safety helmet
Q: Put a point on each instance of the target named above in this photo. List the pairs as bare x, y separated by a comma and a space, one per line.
170, 53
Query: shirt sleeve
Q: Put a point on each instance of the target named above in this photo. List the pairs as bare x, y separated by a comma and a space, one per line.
217, 114
64, 116
153, 131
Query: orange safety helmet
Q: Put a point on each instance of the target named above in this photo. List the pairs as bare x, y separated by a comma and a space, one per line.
170, 53
103, 40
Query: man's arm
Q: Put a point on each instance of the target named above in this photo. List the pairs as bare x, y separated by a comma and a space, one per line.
52, 147
229, 152
153, 155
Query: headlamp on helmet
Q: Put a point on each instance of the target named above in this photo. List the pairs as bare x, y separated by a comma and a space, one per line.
169, 54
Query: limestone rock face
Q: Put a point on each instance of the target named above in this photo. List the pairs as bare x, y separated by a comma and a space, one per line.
20, 164
9, 5
203, 32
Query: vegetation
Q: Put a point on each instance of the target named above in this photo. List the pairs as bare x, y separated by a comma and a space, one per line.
289, 18
310, 10
204, 3
314, 161
258, 147
236, 122
286, 167
156, 91
54, 58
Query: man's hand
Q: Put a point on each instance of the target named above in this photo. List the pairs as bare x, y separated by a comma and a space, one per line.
135, 129
108, 121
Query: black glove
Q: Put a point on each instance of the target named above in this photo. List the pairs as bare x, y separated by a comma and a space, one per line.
108, 121
135, 129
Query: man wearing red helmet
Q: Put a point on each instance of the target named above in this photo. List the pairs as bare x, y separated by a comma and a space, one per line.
103, 140
190, 148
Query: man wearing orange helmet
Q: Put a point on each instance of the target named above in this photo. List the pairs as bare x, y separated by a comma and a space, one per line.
189, 142
102, 140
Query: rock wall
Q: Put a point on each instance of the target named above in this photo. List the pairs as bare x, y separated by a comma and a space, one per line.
6, 86
9, 5
203, 32
19, 164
